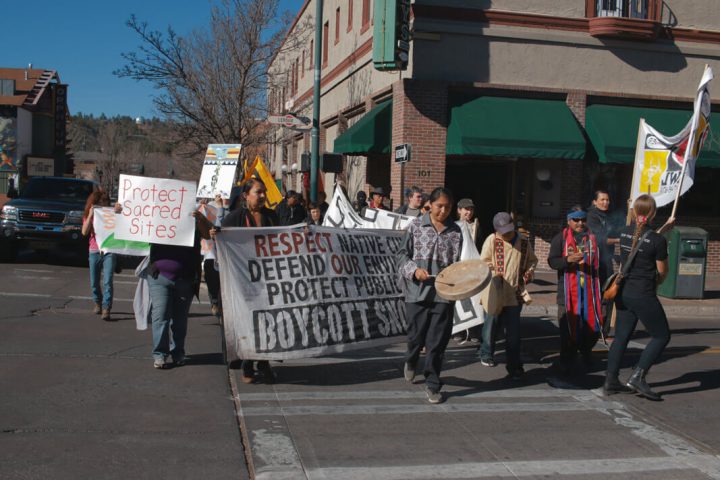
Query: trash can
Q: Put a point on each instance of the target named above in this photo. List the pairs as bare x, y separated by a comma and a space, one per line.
687, 259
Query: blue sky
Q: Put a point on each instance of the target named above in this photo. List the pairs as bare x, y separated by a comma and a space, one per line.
83, 40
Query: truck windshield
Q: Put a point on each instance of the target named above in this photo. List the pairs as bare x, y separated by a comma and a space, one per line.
55, 189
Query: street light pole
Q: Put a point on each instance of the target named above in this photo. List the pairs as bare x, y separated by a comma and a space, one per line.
315, 135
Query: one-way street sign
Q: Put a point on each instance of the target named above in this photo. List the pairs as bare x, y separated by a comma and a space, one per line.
402, 153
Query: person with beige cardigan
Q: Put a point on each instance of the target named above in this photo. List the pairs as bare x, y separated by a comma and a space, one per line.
512, 260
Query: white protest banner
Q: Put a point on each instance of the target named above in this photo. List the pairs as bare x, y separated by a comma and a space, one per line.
304, 291
468, 312
341, 214
156, 210
104, 227
218, 173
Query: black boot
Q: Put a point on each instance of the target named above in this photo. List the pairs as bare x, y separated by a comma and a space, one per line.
637, 382
612, 385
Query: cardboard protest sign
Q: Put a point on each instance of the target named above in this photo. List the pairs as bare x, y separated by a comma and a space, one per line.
468, 312
295, 292
104, 227
218, 173
156, 210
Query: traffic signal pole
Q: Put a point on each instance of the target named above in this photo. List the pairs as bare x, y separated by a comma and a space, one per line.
315, 135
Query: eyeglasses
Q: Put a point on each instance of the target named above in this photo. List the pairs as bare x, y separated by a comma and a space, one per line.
425, 208
584, 220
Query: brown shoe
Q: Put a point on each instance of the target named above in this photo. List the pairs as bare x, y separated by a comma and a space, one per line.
247, 379
106, 315
97, 309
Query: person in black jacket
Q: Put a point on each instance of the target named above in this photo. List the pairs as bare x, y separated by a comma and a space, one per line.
638, 301
598, 221
290, 211
413, 202
253, 214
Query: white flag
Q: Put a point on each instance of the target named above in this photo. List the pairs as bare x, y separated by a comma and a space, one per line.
661, 162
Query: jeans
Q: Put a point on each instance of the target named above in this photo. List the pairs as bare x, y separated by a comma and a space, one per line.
429, 325
509, 319
170, 307
105, 263
650, 312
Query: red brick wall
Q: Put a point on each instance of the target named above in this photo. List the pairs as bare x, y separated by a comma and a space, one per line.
420, 119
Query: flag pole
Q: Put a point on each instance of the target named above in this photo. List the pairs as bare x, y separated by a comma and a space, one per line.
690, 145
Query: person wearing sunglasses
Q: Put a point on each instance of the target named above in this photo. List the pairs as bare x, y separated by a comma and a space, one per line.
575, 254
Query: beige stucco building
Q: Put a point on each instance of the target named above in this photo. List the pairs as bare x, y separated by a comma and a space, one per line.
522, 105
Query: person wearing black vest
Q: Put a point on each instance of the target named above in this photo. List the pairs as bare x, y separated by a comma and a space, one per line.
637, 300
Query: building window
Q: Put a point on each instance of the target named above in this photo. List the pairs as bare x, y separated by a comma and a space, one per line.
337, 25
312, 53
365, 15
326, 34
350, 11
640, 9
302, 70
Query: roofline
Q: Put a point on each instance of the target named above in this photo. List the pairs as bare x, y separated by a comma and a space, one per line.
287, 34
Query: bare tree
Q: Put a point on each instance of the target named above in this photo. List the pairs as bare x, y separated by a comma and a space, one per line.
213, 83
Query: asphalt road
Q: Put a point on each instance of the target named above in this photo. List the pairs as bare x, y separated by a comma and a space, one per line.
80, 399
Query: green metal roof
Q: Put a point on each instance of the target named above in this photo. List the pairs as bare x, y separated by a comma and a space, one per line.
371, 134
514, 127
613, 131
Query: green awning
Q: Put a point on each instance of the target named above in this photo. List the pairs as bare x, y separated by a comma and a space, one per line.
514, 127
613, 131
371, 134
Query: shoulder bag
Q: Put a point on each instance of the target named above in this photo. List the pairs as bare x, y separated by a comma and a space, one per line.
615, 281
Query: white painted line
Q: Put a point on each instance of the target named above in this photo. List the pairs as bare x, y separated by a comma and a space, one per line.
412, 393
549, 468
115, 299
37, 295
33, 278
32, 270
406, 408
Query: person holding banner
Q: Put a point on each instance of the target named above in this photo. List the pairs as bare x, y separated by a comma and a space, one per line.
576, 255
431, 243
638, 300
253, 214
215, 212
98, 261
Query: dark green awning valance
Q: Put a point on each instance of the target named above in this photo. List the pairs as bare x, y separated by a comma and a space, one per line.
371, 134
613, 131
514, 127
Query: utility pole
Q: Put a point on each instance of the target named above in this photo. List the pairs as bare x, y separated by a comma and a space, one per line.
315, 135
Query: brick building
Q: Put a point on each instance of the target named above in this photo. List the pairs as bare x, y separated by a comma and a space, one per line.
33, 115
523, 106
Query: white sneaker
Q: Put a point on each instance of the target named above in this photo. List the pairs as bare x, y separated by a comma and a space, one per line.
433, 397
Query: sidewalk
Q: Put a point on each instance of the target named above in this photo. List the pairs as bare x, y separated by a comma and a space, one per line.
544, 293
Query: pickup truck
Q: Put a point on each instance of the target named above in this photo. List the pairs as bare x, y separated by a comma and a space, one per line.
47, 214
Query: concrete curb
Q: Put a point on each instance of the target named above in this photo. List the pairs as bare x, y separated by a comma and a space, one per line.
670, 310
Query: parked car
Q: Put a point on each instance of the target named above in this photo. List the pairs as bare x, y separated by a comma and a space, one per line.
47, 214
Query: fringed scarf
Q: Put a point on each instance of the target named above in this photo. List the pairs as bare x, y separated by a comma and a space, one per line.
582, 286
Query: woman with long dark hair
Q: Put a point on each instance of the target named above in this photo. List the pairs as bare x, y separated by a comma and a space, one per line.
100, 263
253, 213
638, 300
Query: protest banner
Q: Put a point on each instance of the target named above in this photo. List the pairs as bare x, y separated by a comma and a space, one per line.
304, 291
341, 214
104, 226
218, 172
468, 312
156, 210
